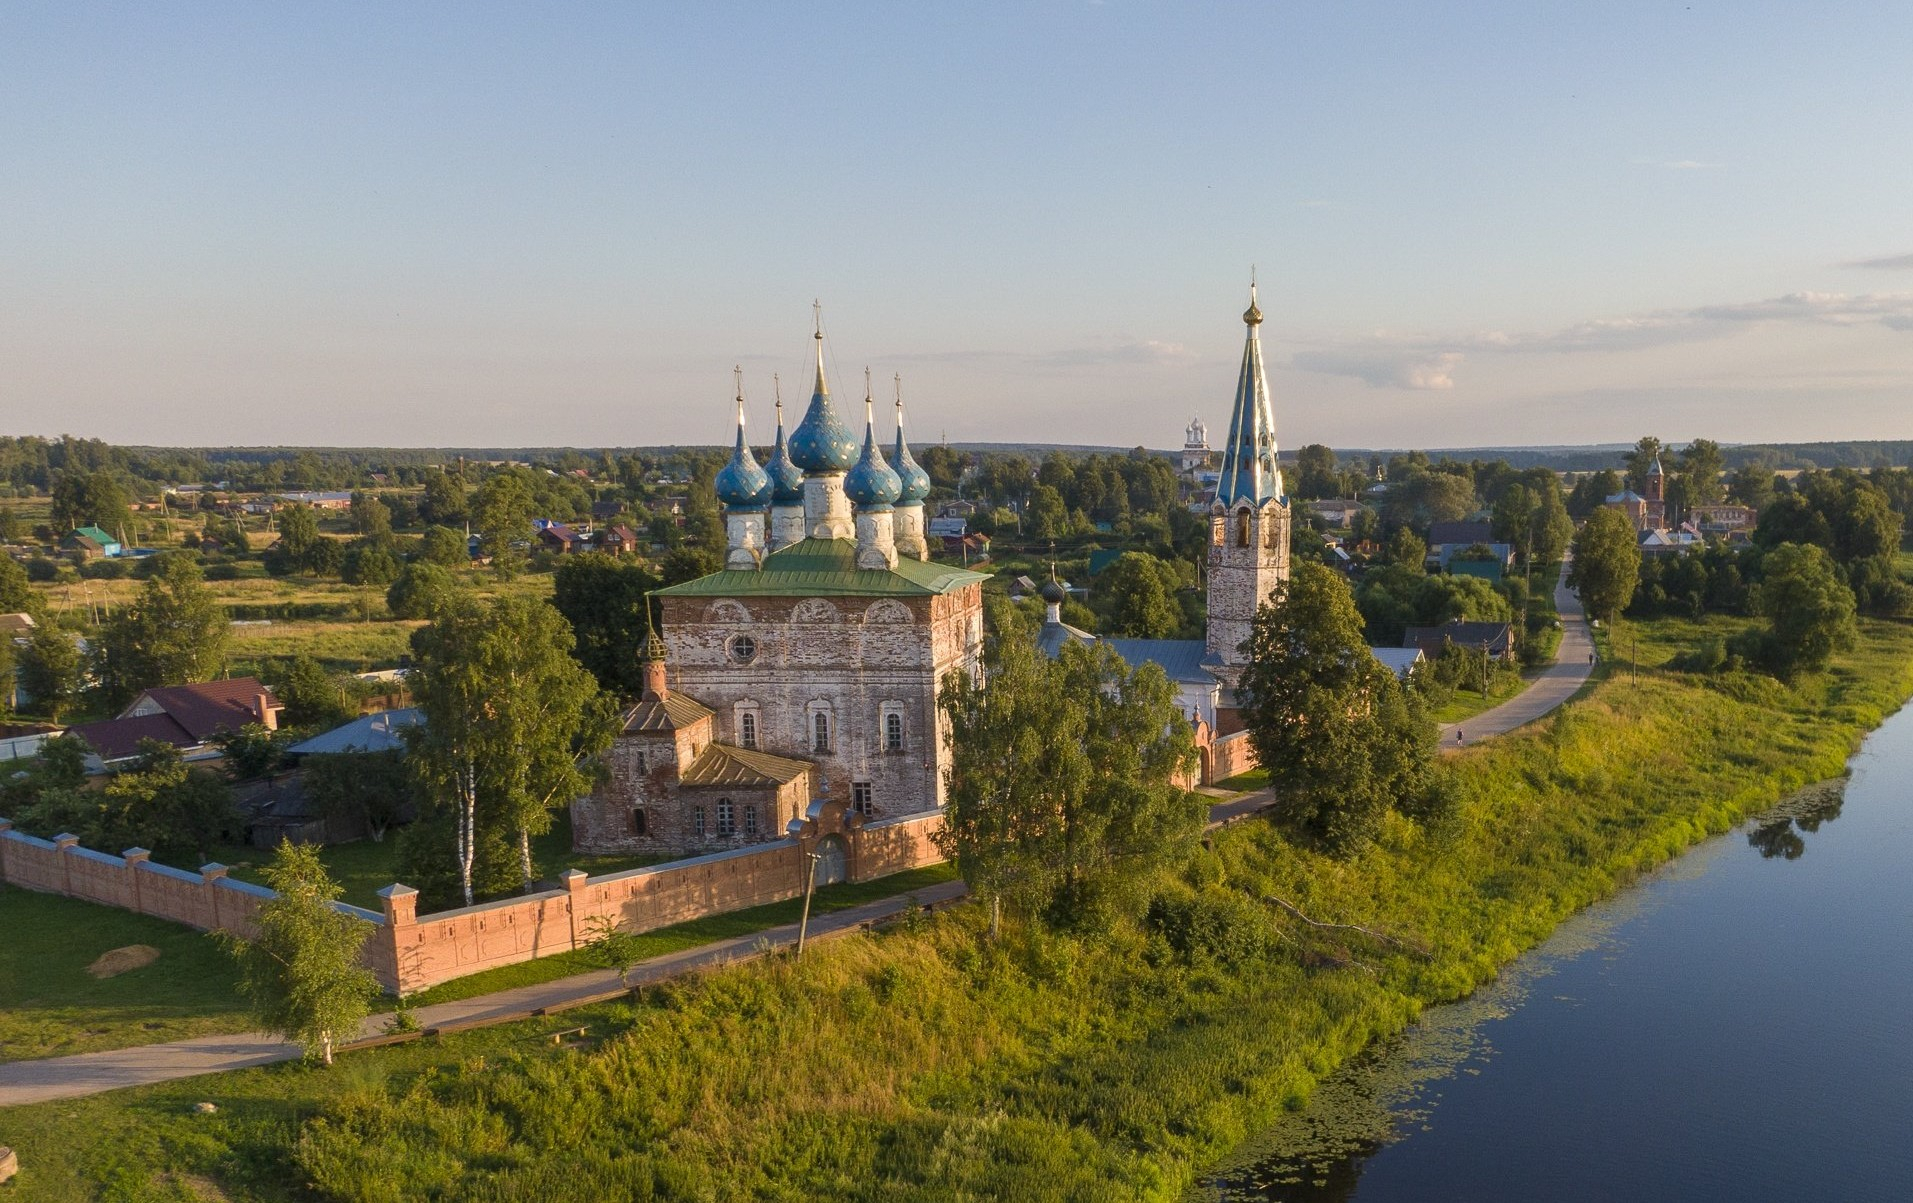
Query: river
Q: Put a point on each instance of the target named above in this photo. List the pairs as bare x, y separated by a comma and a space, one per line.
1737, 1026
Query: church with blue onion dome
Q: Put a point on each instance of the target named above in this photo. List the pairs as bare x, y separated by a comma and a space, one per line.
794, 692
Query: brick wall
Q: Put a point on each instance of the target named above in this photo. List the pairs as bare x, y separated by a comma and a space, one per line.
409, 951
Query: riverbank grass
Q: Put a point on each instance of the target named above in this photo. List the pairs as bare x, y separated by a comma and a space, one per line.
930, 1064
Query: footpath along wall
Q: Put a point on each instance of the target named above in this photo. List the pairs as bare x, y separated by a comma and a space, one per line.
409, 951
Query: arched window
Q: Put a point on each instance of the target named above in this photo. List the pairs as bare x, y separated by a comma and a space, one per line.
1242, 528
893, 732
726, 818
697, 821
747, 730
638, 822
750, 818
820, 732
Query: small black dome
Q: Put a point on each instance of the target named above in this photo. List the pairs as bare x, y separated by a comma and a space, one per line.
1052, 593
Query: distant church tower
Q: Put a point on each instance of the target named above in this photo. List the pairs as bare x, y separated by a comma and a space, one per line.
1195, 448
1249, 520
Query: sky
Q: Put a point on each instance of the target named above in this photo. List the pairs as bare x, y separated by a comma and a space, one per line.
1501, 222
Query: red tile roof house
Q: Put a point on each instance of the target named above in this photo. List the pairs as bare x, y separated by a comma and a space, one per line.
185, 716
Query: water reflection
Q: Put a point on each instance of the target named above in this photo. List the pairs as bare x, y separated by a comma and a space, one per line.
1779, 834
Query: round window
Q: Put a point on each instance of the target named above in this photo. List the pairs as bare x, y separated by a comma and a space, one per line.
743, 649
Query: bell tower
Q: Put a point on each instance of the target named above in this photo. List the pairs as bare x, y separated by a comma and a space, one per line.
1249, 519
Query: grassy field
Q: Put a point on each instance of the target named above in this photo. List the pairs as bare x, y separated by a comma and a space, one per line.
365, 867
928, 1064
51, 1007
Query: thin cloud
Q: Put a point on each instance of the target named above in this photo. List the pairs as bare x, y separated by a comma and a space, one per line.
1678, 164
1429, 362
1886, 263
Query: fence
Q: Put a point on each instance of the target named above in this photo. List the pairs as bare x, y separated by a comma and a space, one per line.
409, 951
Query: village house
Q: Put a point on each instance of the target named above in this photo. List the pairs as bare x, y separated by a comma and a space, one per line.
188, 717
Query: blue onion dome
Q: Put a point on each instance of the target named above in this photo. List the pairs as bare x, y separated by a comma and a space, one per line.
822, 443
916, 482
872, 485
741, 484
787, 479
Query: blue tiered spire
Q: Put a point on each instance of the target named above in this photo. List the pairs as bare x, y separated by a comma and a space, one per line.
822, 443
787, 479
741, 484
872, 485
916, 482
1249, 471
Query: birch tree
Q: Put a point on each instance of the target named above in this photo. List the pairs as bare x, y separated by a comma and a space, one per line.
510, 720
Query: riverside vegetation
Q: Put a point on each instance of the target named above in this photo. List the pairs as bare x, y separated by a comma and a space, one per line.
929, 1063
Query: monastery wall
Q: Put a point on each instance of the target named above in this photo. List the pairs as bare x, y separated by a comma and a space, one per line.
409, 951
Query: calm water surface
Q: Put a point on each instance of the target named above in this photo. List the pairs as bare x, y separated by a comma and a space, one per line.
1737, 1027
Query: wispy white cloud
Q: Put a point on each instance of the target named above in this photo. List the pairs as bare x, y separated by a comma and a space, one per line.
1429, 362
1888, 263
1131, 351
1679, 164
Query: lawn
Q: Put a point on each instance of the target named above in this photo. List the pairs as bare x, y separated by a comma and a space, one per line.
51, 1007
365, 867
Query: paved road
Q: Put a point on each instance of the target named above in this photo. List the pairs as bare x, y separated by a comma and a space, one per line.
23, 1082
1571, 668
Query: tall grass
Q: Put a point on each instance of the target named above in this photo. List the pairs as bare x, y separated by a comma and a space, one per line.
929, 1064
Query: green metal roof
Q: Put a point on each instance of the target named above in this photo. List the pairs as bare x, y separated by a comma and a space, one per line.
826, 568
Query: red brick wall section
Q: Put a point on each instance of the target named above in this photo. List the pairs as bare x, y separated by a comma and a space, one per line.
410, 951
1231, 756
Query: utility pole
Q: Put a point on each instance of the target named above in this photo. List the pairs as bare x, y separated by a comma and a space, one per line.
810, 883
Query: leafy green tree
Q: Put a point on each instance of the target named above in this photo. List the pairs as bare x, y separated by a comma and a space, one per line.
1701, 468
689, 563
311, 696
50, 670
502, 513
1591, 493
1315, 474
1607, 563
371, 518
251, 751
1514, 512
1809, 609
16, 591
509, 717
1407, 550
445, 502
164, 804
1047, 517
371, 562
1341, 737
1428, 497
1063, 789
174, 633
302, 973
443, 546
1752, 485
82, 498
422, 589
298, 549
369, 789
606, 601
1137, 596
